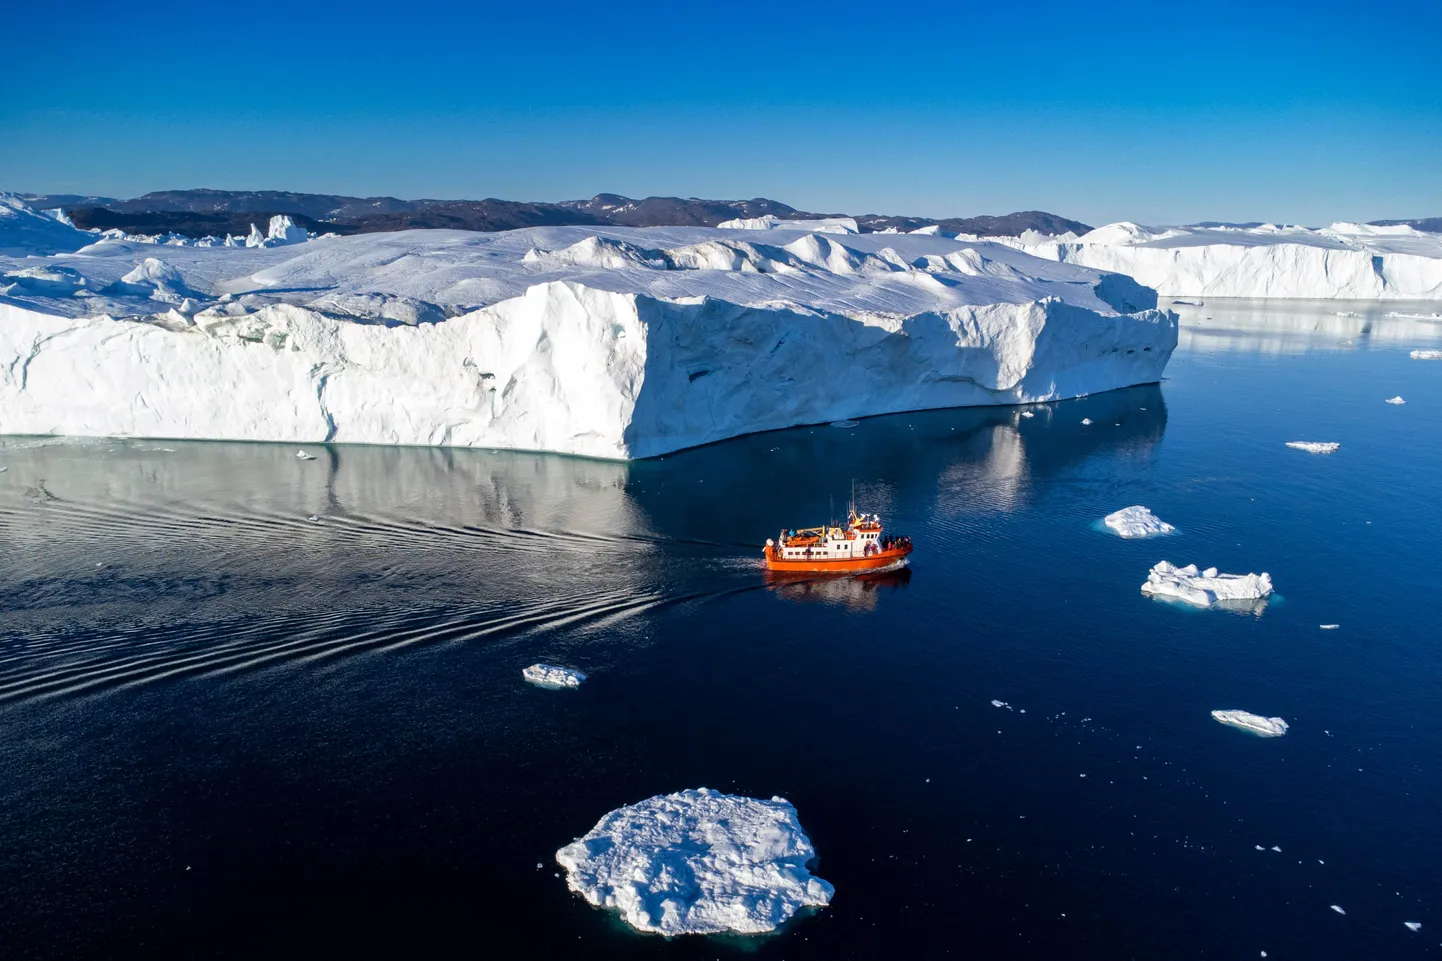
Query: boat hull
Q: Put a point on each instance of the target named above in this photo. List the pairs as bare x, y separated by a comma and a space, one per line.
840, 565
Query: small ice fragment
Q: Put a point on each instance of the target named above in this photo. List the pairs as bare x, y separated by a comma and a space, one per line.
1277, 849
844, 424
1255, 723
1086, 421
302, 455
1027, 413
315, 518
1022, 711
996, 703
1083, 775
3, 469
1338, 909
1136, 521
1314, 447
1259, 847
1427, 355
539, 865
553, 677
1412, 925
1205, 588
1329, 627
1396, 400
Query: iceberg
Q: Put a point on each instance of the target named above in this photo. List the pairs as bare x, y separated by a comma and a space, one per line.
1205, 588
697, 862
1426, 355
826, 225
1396, 400
1137, 522
1412, 925
553, 677
1255, 723
1315, 447
1338, 909
613, 343
1344, 261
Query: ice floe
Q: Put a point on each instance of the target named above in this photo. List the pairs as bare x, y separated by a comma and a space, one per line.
1256, 724
697, 862
1027, 413
1086, 421
302, 455
1314, 447
1137, 521
1329, 627
551, 676
1396, 400
1412, 925
1427, 355
1338, 909
1205, 588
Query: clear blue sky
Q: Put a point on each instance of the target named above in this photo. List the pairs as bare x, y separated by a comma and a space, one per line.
1157, 112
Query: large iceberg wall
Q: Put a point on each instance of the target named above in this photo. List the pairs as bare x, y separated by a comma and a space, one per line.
1344, 261
562, 367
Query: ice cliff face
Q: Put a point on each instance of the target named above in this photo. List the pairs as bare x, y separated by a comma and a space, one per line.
618, 344
1344, 261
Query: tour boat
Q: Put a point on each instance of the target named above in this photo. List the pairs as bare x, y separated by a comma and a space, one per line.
859, 546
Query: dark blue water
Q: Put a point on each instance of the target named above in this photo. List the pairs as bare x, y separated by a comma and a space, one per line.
233, 731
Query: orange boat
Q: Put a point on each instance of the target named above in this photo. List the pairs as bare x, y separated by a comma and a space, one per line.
859, 546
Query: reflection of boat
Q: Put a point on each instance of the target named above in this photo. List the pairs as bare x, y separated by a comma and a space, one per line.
859, 546
859, 592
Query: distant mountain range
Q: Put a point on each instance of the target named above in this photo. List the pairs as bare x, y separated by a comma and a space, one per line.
197, 213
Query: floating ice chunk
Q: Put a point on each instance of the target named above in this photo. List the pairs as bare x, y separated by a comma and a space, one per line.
553, 677
845, 423
1027, 413
1255, 723
1412, 925
302, 455
1396, 400
697, 862
1086, 421
1329, 627
1338, 909
1274, 847
1314, 447
1207, 587
1137, 521
996, 703
1259, 847
1427, 355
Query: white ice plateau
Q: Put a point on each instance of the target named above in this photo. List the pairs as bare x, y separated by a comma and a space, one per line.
697, 862
1344, 261
553, 677
1137, 521
1254, 723
606, 342
1205, 588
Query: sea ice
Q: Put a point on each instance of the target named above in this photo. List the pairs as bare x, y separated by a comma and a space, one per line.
1314, 447
1412, 925
551, 676
1338, 909
1207, 587
1256, 724
697, 862
1396, 400
1086, 421
1427, 355
1137, 522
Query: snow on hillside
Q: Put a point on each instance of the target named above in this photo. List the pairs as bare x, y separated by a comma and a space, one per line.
609, 342
1343, 261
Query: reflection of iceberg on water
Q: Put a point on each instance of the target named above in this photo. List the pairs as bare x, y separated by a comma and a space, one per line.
858, 593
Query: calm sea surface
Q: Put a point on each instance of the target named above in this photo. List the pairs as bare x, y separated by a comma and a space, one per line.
253, 706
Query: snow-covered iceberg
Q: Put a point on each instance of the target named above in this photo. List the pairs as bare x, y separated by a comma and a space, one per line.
826, 225
1345, 261
1255, 723
551, 676
697, 862
1205, 588
1315, 446
1137, 521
